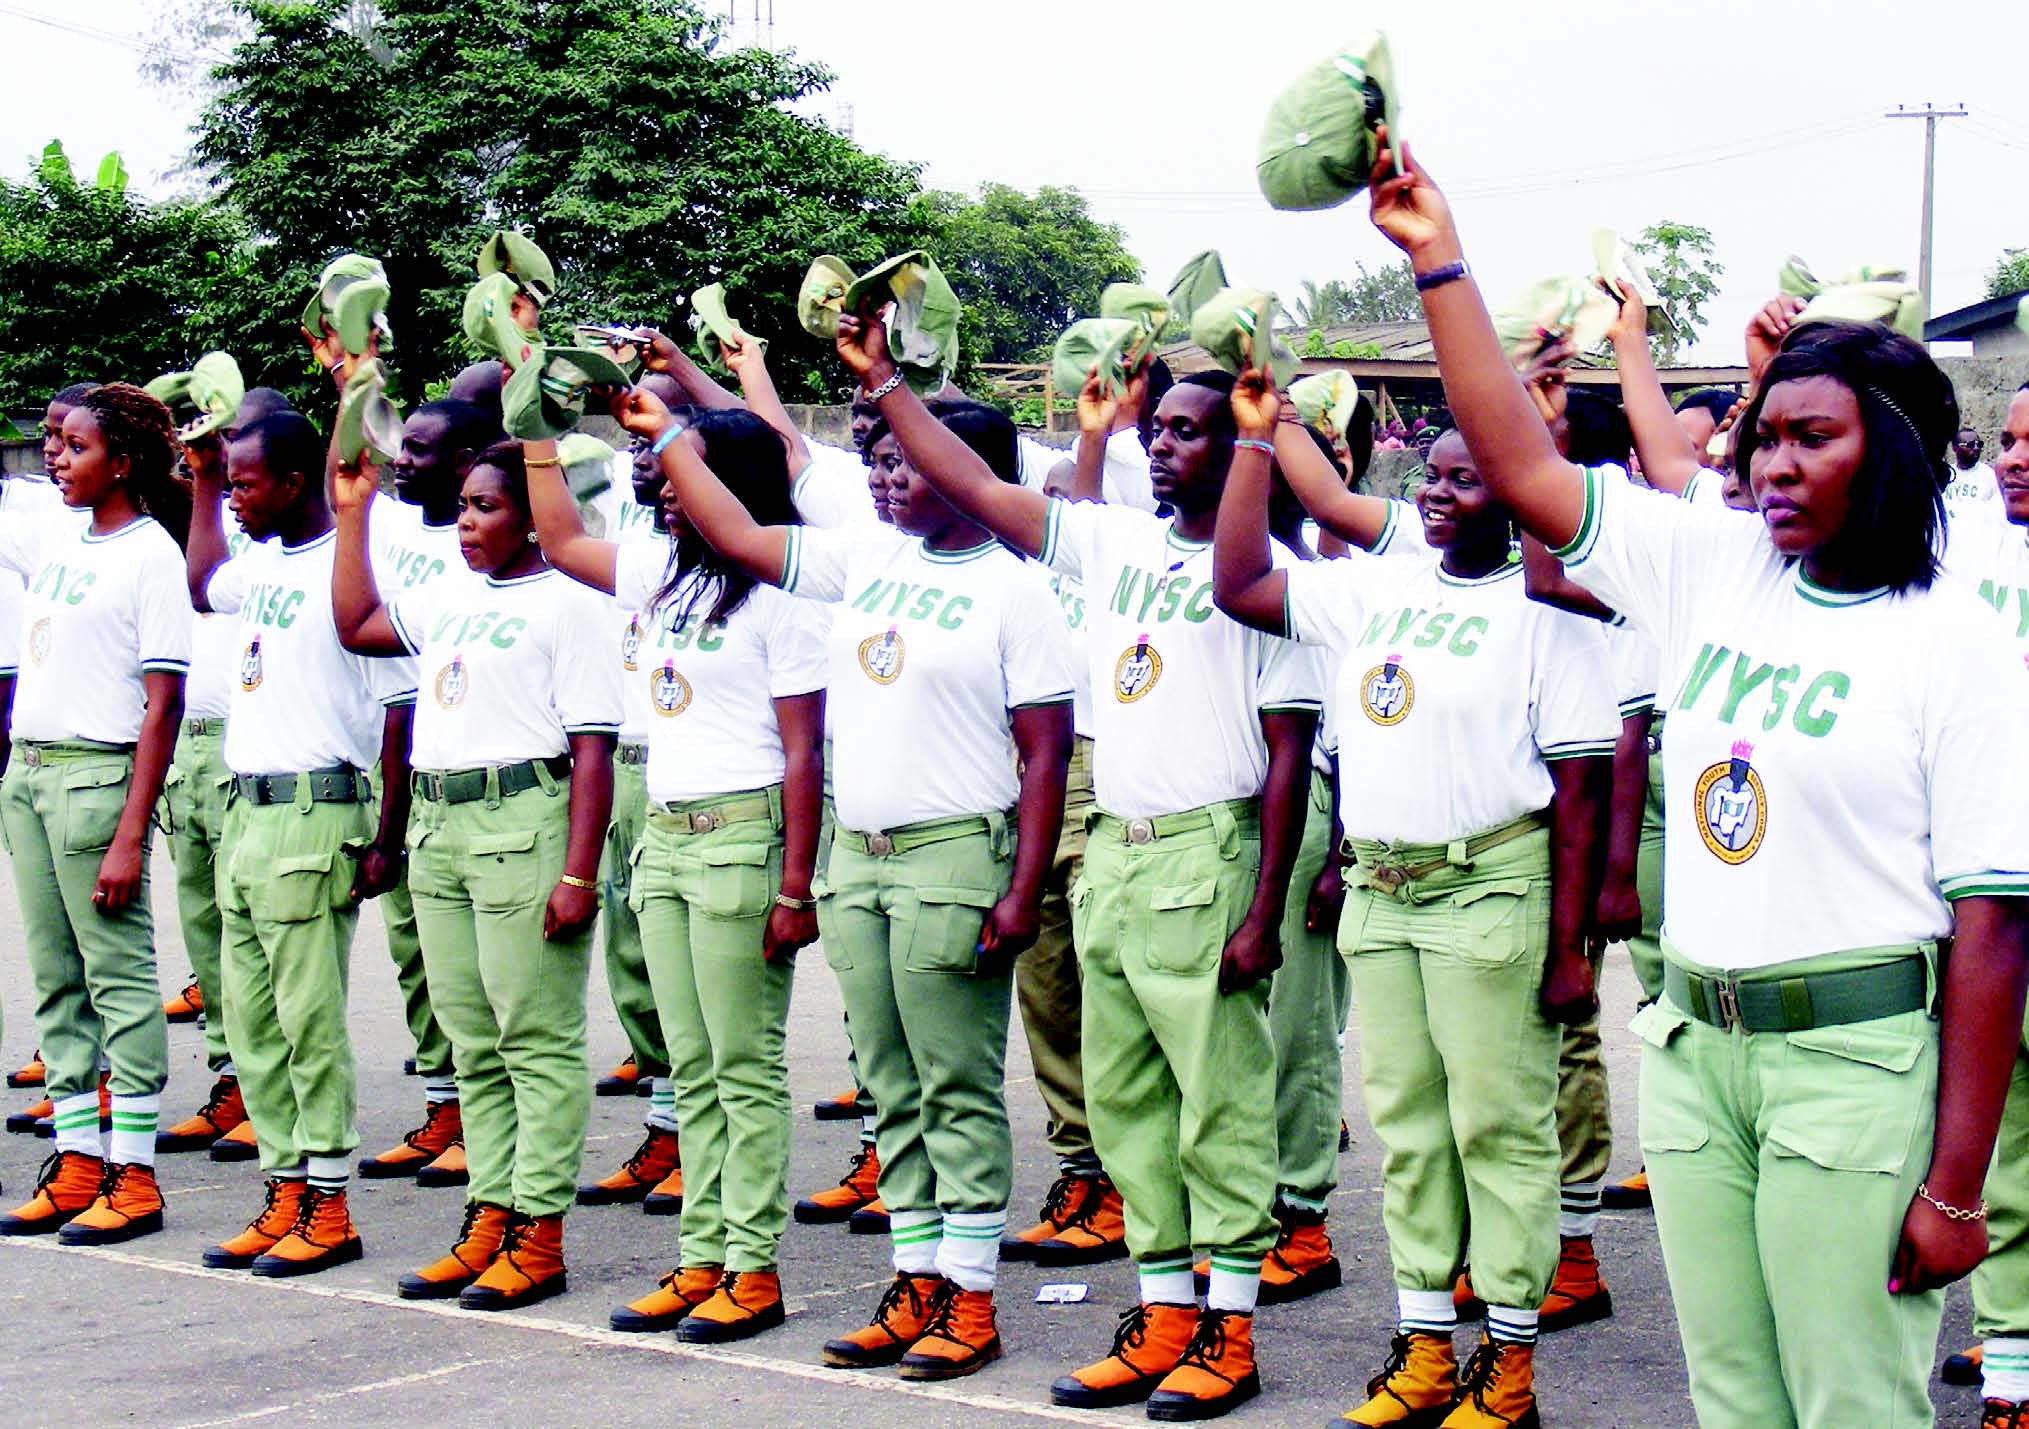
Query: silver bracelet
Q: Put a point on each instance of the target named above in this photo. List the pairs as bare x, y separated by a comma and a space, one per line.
886, 387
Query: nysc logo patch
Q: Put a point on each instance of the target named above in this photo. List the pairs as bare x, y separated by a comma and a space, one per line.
453, 683
1137, 670
1387, 694
881, 656
250, 666
1732, 807
668, 691
630, 644
40, 639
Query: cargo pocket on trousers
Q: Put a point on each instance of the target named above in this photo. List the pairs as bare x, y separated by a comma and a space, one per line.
292, 889
944, 934
1187, 931
92, 803
1488, 921
735, 881
1852, 1097
505, 872
1673, 1116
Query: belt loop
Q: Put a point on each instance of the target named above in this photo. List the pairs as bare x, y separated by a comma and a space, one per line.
305, 795
996, 834
1227, 830
493, 786
1454, 855
1796, 1003
775, 822
1092, 818
543, 777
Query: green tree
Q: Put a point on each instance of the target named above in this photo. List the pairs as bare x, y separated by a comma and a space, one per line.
99, 285
1686, 274
1386, 295
1024, 265
2010, 273
646, 157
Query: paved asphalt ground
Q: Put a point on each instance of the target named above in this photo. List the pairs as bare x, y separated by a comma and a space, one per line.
142, 1333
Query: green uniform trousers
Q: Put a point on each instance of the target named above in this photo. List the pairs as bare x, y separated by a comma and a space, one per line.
1046, 978
1645, 949
627, 979
1584, 1112
1178, 1075
193, 818
405, 948
2001, 1282
287, 915
928, 1016
1782, 1165
1307, 1004
703, 899
94, 973
1459, 1065
511, 1001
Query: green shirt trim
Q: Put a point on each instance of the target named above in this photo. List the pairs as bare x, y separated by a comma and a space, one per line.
1816, 594
1580, 544
952, 558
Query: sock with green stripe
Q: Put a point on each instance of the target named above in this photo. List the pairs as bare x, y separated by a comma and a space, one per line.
1236, 1281
1166, 1280
2004, 1370
133, 1139
915, 1236
661, 1105
969, 1253
327, 1173
77, 1124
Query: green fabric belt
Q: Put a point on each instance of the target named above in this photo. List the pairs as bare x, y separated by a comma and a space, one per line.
631, 754
1773, 1003
704, 816
1389, 866
465, 786
212, 725
1162, 826
340, 784
63, 751
914, 836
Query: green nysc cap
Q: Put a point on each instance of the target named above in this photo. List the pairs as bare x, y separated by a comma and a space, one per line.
713, 325
1553, 309
1105, 344
923, 328
517, 255
1329, 401
1196, 283
1868, 294
1139, 304
1615, 261
368, 424
551, 389
1224, 328
488, 321
351, 298
588, 464
213, 386
1317, 146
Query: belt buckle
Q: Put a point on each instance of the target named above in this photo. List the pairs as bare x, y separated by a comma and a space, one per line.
30, 755
1726, 992
1388, 877
880, 845
704, 821
1141, 831
264, 791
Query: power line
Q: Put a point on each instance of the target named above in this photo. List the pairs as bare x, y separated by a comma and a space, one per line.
1929, 114
93, 32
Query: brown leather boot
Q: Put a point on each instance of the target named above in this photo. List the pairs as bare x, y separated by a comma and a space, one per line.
960, 1337
1067, 1198
322, 1237
1216, 1373
745, 1303
1097, 1231
1578, 1293
529, 1268
1147, 1344
129, 1204
222, 1111
479, 1240
674, 1297
276, 1219
1415, 1389
239, 1144
69, 1182
620, 1082
667, 1197
448, 1169
856, 1189
187, 1005
897, 1324
653, 1159
1302, 1262
29, 1073
443, 1123
1497, 1390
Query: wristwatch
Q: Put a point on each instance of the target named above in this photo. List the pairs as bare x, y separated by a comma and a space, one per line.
800, 905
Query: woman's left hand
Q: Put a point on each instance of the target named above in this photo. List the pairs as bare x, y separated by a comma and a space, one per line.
1255, 404
571, 910
1011, 928
788, 930
1934, 1250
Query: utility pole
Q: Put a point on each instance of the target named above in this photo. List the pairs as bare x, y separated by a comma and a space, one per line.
1929, 114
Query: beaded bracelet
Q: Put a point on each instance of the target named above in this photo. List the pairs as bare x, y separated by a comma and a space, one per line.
1255, 444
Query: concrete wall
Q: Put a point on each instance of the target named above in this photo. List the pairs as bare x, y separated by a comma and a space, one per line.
1985, 385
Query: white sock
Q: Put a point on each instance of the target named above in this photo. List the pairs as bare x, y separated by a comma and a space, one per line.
969, 1251
227, 1069
1426, 1312
1578, 1209
1511, 1325
440, 1089
327, 1173
1235, 1283
1168, 1281
298, 1172
2004, 1370
915, 1236
661, 1105
134, 1121
77, 1124
867, 1129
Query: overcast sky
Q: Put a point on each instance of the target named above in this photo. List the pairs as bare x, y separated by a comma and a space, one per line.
1758, 119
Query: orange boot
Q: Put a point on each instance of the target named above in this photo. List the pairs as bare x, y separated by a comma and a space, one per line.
673, 1298
129, 1204
1497, 1390
1096, 1231
322, 1237
620, 1082
236, 1145
22, 1122
449, 1168
1415, 1389
745, 1303
1964, 1367
897, 1324
1061, 1207
843, 1107
529, 1268
222, 1111
29, 1073
1629, 1195
1147, 1344
443, 1123
958, 1339
1302, 1262
1216, 1373
278, 1217
856, 1189
479, 1240
870, 1219
187, 1005
653, 1159
69, 1182
1578, 1293
667, 1197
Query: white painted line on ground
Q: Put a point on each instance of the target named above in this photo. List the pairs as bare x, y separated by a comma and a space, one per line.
584, 1334
398, 1382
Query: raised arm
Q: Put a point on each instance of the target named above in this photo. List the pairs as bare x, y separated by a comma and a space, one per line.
1352, 516
750, 365
585, 559
205, 550
363, 624
1668, 458
1015, 514
719, 516
1096, 412
1499, 422
663, 355
1245, 583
